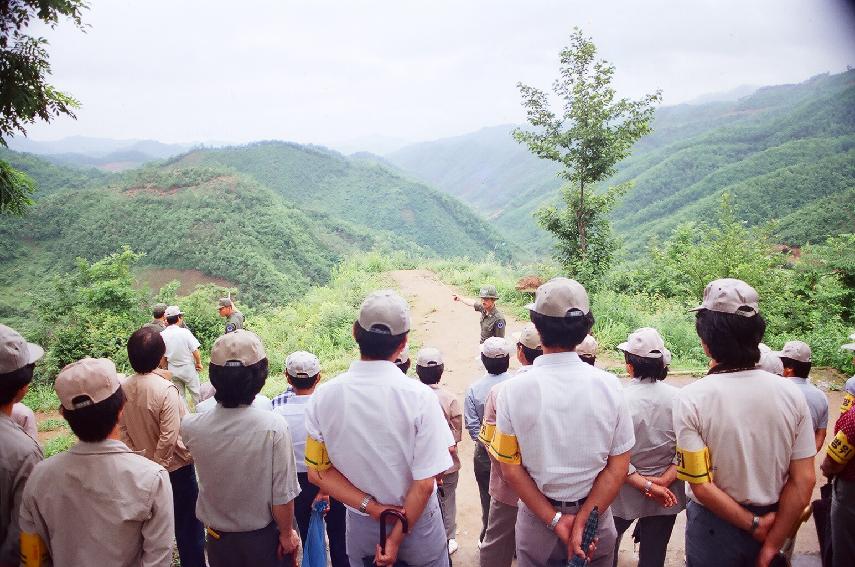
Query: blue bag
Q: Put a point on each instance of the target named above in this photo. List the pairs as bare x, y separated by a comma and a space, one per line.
315, 548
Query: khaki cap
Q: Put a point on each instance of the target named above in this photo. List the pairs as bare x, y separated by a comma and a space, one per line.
561, 297
95, 378
488, 292
15, 351
173, 311
729, 295
495, 347
850, 346
302, 364
238, 348
770, 362
648, 343
225, 302
429, 356
529, 337
158, 308
796, 350
764, 348
385, 312
404, 356
588, 346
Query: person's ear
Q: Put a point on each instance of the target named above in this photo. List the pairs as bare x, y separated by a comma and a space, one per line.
317, 379
629, 369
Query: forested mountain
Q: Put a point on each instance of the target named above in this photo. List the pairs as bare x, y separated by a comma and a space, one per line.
784, 152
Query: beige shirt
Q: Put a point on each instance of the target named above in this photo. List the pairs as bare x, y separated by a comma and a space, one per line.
19, 453
152, 418
100, 504
26, 418
753, 423
454, 416
245, 462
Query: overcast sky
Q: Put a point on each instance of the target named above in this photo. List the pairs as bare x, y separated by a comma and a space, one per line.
327, 72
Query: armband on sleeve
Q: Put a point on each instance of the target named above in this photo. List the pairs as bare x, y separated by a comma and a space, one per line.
840, 449
848, 400
485, 436
34, 552
316, 455
694, 467
505, 448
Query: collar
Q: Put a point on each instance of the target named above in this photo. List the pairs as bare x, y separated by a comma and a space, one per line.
798, 380
295, 399
100, 447
373, 367
557, 358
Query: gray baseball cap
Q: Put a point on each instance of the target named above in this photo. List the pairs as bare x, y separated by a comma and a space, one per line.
94, 378
302, 364
770, 362
15, 351
238, 348
404, 356
588, 346
561, 297
648, 343
488, 292
495, 347
173, 311
385, 312
729, 295
225, 302
429, 356
796, 350
529, 337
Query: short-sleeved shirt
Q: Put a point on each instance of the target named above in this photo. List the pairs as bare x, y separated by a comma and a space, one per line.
19, 453
492, 323
294, 413
180, 344
842, 447
234, 321
100, 504
453, 416
26, 418
562, 420
848, 396
156, 324
476, 397
380, 429
260, 401
816, 400
741, 430
245, 463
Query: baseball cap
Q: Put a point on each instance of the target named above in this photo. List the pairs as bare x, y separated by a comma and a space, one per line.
561, 297
588, 346
302, 364
648, 343
225, 302
495, 347
173, 311
529, 337
238, 348
770, 362
850, 346
488, 292
729, 295
158, 308
94, 378
796, 350
385, 312
764, 348
429, 356
15, 351
404, 356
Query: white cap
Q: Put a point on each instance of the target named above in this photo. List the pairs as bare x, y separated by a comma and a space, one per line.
764, 348
15, 351
385, 312
495, 347
796, 350
94, 378
588, 346
238, 348
770, 362
404, 356
172, 311
561, 297
850, 346
529, 337
429, 356
648, 343
302, 364
729, 295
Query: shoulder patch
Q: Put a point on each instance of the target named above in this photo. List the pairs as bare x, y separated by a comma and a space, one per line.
500, 324
230, 327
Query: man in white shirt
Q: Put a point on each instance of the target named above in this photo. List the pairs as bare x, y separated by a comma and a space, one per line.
182, 355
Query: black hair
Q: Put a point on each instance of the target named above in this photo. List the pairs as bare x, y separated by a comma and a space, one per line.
302, 382
404, 366
173, 319
12, 382
377, 345
646, 367
93, 423
237, 385
530, 354
563, 332
800, 369
157, 312
496, 365
588, 359
732, 340
145, 349
430, 374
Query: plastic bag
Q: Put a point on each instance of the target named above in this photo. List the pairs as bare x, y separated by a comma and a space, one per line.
315, 548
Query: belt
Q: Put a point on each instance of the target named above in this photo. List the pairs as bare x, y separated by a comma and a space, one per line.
566, 504
761, 510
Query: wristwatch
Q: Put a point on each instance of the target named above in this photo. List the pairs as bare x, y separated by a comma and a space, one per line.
647, 488
755, 523
551, 525
363, 506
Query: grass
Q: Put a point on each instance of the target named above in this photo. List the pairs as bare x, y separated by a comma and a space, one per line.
52, 425
59, 444
41, 398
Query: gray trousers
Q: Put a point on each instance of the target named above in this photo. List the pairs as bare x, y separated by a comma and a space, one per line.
843, 524
538, 546
499, 544
448, 497
482, 477
713, 542
246, 549
186, 378
424, 546
652, 534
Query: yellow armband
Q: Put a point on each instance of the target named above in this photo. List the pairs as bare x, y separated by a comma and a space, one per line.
848, 400
34, 552
840, 449
485, 436
695, 467
316, 455
505, 448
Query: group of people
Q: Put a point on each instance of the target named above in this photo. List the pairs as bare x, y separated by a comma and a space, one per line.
235, 483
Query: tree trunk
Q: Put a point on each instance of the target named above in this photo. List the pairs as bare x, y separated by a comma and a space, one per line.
581, 221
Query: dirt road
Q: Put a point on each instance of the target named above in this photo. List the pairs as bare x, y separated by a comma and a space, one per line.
452, 327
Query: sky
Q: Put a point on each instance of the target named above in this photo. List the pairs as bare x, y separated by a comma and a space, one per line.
379, 73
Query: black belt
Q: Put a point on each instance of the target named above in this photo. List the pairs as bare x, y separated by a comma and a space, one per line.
560, 504
761, 510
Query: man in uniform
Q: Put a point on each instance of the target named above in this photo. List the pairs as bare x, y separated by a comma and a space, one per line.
182, 355
849, 388
747, 489
98, 503
158, 317
492, 320
796, 363
387, 448
839, 464
234, 318
19, 452
563, 436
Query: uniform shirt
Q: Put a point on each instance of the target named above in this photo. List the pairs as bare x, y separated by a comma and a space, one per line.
245, 463
260, 402
99, 504
476, 397
651, 405
492, 323
816, 400
741, 430
848, 396
562, 420
234, 321
380, 429
156, 324
19, 453
180, 344
152, 418
24, 416
453, 416
842, 447
294, 413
